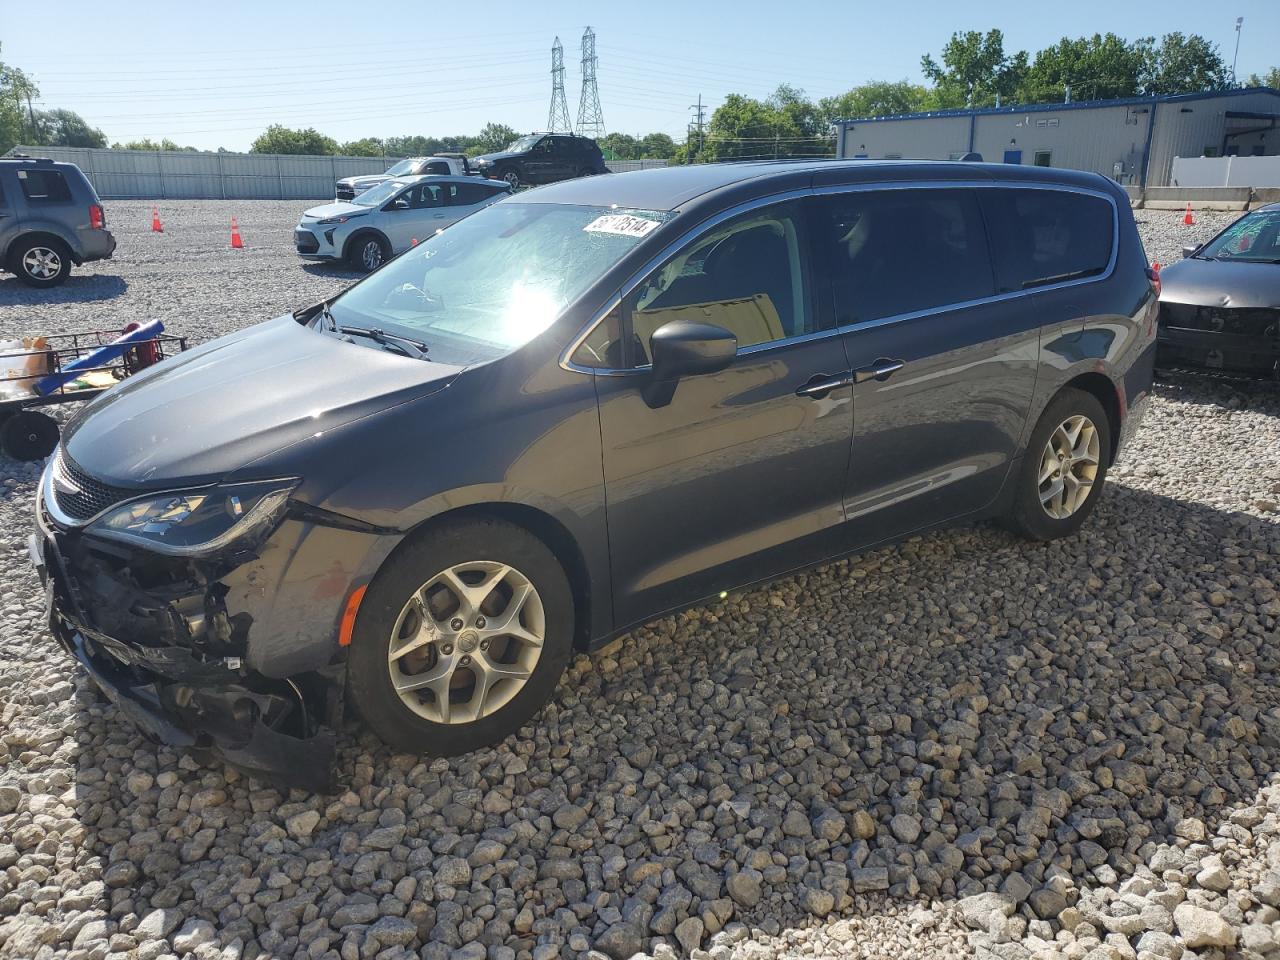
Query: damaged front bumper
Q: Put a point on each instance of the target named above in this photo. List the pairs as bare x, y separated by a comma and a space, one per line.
237, 657
1241, 342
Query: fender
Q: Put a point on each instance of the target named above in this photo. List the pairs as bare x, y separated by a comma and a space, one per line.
54, 229
346, 244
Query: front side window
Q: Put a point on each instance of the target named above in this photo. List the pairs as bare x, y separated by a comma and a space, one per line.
1254, 237
376, 196
1047, 236
496, 279
522, 144
425, 195
747, 276
401, 169
902, 251
44, 186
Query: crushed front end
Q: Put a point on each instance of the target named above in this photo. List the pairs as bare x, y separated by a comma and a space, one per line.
232, 651
1232, 341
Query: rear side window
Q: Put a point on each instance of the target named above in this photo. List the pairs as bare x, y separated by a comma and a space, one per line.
466, 194
1047, 236
44, 186
438, 167
903, 251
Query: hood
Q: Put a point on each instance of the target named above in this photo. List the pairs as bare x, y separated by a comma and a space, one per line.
495, 157
1220, 283
204, 414
365, 181
339, 208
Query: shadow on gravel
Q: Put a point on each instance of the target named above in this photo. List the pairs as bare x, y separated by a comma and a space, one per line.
75, 289
920, 722
1260, 396
334, 270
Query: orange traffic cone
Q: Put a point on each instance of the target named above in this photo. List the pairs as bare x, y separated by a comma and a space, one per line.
236, 242
1188, 219
156, 225
413, 242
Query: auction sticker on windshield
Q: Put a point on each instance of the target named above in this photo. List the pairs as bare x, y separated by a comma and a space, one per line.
622, 224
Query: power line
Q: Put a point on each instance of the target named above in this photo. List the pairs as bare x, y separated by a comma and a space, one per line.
699, 121
590, 115
558, 117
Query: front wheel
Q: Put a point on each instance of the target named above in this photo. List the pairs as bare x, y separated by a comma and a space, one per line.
368, 252
512, 176
1063, 469
461, 638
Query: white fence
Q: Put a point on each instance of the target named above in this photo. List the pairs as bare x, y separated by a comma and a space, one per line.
1226, 172
175, 174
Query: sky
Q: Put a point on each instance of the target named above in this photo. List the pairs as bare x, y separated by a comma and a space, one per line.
216, 74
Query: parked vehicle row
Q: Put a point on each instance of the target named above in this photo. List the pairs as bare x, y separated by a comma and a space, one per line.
417, 516
543, 158
451, 166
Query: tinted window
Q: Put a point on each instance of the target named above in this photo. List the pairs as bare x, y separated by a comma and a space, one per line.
1041, 236
899, 251
465, 194
426, 195
438, 166
602, 347
747, 276
44, 186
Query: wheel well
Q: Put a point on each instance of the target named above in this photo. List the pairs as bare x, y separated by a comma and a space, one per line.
557, 538
1106, 393
17, 244
360, 235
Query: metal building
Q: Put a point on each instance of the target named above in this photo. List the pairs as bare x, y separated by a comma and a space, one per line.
1132, 140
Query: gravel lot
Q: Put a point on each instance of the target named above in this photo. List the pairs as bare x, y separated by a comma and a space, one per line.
964, 745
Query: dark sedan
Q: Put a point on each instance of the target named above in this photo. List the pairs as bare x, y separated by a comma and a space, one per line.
1220, 305
572, 412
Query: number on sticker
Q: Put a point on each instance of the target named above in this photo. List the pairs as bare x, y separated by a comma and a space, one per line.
622, 224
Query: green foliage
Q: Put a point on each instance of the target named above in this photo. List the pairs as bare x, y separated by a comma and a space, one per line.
281, 139
65, 128
1095, 68
1269, 79
146, 143
974, 70
1181, 64
619, 146
784, 125
657, 146
877, 98
366, 147
493, 137
16, 89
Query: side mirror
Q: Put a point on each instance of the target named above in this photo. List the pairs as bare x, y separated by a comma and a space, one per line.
681, 349
1189, 251
399, 203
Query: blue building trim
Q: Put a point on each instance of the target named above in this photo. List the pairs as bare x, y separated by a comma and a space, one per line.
1146, 149
1054, 107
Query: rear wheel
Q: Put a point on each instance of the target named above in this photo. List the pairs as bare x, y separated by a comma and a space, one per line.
461, 639
28, 436
41, 262
368, 252
1063, 469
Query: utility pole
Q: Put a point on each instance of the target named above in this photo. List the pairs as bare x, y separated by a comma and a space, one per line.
1236, 56
590, 116
699, 120
558, 117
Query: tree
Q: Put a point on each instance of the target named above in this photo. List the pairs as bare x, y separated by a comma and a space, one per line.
623, 145
1095, 68
1181, 64
745, 128
799, 110
66, 128
280, 139
657, 146
367, 147
974, 70
1269, 79
16, 91
876, 98
493, 137
146, 143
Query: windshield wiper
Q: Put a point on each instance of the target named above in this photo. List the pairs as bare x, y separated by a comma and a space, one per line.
411, 347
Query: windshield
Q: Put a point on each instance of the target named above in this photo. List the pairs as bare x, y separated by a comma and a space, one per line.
524, 143
379, 194
401, 168
495, 280
1253, 237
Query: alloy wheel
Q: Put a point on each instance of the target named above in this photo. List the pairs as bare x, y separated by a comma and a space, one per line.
371, 255
512, 178
466, 642
42, 263
1068, 467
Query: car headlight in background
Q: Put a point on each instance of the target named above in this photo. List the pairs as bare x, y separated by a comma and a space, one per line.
198, 522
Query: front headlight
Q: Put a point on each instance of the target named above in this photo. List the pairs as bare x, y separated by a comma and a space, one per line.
197, 522
342, 219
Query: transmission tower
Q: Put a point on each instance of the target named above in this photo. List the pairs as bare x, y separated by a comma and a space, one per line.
558, 118
590, 116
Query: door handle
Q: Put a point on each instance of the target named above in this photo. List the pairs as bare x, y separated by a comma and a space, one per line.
820, 385
882, 369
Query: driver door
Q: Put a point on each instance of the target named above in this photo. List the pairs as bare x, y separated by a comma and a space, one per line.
414, 214
740, 476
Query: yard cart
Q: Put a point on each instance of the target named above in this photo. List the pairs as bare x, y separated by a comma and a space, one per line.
63, 368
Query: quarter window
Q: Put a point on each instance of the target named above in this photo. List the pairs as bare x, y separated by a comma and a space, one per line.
44, 186
747, 276
902, 251
1046, 236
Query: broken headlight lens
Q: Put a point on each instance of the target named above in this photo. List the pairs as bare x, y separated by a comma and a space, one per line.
196, 522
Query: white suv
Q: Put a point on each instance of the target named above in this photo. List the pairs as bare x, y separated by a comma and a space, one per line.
389, 218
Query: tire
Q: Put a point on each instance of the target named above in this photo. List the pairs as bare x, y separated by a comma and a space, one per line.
408, 594
1062, 514
29, 436
41, 261
512, 176
367, 252
586, 172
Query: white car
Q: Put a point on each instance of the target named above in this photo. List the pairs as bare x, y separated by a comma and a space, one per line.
349, 188
387, 219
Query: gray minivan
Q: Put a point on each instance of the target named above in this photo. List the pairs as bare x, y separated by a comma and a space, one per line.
577, 409
50, 218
